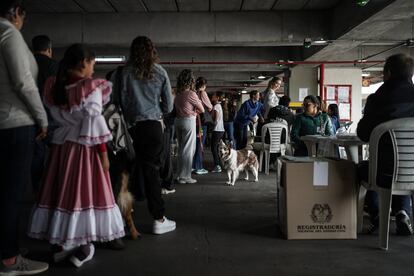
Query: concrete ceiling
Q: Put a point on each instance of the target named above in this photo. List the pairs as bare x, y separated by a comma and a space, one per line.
102, 6
244, 31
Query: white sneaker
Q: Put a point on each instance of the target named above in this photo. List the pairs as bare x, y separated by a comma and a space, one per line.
165, 191
163, 227
190, 180
187, 180
84, 254
181, 181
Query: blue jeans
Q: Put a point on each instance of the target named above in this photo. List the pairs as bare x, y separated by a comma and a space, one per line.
398, 202
198, 155
240, 133
16, 151
229, 129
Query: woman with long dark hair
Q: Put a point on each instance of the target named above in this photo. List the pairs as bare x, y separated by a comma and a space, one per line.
76, 205
312, 121
145, 93
21, 113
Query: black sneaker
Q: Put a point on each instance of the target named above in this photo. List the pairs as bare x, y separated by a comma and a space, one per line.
404, 227
82, 255
117, 244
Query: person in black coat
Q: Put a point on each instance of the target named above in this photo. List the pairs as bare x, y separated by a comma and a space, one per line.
42, 51
393, 100
282, 111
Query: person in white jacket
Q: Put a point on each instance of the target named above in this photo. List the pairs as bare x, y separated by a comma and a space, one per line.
21, 110
270, 97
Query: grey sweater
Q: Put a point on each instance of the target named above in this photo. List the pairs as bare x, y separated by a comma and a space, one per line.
20, 103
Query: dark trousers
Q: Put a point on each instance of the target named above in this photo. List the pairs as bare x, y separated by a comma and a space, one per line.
166, 171
16, 150
215, 140
240, 134
229, 129
38, 162
148, 145
398, 202
199, 152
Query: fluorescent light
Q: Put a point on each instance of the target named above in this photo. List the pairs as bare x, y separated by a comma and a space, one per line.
366, 74
103, 59
261, 77
244, 91
320, 41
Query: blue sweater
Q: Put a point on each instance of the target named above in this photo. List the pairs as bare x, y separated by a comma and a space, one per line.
247, 111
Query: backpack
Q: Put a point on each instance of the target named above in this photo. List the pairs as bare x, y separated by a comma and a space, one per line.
122, 140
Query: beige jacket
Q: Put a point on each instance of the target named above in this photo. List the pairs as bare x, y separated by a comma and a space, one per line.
20, 103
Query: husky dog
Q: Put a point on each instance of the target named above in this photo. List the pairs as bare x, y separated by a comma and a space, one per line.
237, 161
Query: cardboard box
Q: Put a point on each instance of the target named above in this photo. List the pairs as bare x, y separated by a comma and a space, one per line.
318, 199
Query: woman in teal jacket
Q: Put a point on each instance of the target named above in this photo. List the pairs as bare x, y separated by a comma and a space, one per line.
311, 122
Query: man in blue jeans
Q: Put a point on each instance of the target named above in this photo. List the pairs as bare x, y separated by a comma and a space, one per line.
246, 115
393, 100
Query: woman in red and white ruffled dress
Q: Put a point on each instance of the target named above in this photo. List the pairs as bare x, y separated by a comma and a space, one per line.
76, 204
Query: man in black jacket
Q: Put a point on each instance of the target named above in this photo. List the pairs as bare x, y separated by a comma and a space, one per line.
393, 100
42, 50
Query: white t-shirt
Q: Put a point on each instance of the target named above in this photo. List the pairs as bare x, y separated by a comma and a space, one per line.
219, 120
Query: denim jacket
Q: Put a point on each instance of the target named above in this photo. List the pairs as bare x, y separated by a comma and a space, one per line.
143, 100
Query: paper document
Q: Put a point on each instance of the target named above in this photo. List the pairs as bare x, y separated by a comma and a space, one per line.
330, 93
343, 94
345, 111
320, 174
303, 92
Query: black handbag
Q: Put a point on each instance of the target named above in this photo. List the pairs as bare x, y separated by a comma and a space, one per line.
206, 118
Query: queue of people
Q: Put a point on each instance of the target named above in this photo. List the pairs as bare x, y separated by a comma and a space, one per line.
76, 205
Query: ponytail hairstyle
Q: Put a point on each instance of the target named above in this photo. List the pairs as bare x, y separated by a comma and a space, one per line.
185, 80
72, 60
200, 82
142, 58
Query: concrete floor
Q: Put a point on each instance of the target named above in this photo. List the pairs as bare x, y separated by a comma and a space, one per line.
223, 230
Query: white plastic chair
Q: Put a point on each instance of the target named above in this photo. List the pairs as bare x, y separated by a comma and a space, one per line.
402, 137
275, 130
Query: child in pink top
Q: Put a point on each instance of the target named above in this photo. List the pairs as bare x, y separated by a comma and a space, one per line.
76, 205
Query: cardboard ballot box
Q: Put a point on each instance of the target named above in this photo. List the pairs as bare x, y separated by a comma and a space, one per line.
317, 198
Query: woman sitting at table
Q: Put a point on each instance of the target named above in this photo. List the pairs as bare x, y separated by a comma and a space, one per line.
311, 122
333, 113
